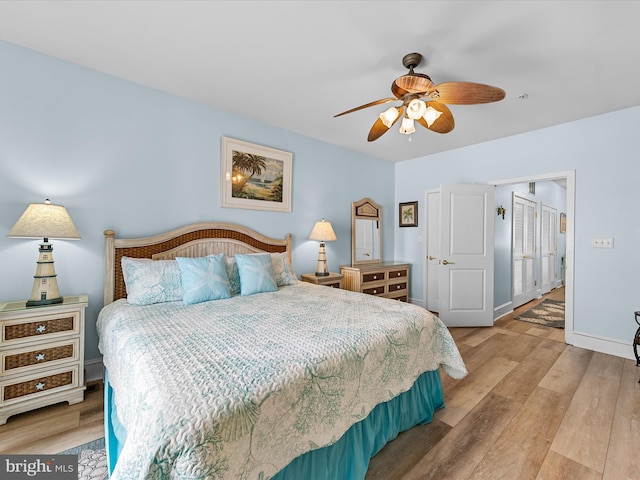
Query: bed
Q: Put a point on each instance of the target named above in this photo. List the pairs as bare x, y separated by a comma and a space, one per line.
296, 381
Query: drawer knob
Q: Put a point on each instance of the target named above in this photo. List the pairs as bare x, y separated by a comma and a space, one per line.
40, 386
41, 328
398, 287
375, 277
40, 357
375, 291
398, 273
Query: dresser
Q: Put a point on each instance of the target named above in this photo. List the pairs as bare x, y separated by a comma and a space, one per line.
333, 280
41, 355
385, 279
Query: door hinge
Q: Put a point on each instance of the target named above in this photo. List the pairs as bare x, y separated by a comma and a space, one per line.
535, 283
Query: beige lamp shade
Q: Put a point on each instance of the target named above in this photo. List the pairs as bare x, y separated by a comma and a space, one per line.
322, 232
44, 220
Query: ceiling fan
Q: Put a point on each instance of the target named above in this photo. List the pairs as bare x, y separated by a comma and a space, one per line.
425, 102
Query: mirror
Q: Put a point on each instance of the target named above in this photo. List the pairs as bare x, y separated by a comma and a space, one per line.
366, 232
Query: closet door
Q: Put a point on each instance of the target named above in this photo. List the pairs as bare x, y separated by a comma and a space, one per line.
524, 251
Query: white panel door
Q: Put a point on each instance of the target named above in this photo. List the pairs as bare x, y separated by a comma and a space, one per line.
524, 251
466, 248
548, 249
433, 249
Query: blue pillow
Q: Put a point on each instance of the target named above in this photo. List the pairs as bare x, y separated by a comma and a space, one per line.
256, 273
203, 279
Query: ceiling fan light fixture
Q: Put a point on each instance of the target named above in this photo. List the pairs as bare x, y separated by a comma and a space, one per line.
416, 109
431, 115
407, 126
389, 116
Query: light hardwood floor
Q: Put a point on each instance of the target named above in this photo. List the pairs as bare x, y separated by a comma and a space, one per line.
531, 407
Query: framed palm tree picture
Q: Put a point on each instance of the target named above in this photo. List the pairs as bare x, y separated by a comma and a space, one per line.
255, 177
408, 214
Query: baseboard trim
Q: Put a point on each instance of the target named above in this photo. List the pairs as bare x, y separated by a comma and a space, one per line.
93, 370
608, 346
502, 310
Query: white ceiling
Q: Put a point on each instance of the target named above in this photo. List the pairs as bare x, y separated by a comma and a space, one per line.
295, 64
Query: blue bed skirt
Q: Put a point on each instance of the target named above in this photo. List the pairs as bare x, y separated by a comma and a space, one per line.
348, 458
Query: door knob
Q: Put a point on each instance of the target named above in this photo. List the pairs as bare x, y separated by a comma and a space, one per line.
444, 262
431, 258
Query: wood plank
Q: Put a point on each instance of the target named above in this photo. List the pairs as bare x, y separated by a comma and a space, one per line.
463, 448
584, 433
522, 380
557, 467
623, 458
469, 391
399, 456
567, 372
522, 447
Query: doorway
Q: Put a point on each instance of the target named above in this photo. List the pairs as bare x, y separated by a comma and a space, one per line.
567, 180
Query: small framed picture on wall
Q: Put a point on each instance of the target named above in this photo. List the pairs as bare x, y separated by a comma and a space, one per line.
408, 214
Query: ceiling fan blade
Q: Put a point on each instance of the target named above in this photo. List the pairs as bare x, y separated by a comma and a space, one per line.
466, 93
377, 102
444, 123
378, 129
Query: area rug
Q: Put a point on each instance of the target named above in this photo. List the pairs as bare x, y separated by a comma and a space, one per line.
92, 460
549, 313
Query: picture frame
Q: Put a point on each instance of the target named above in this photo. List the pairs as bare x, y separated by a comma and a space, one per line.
255, 177
563, 223
408, 214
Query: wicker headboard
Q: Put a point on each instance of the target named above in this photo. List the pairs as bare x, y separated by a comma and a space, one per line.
196, 240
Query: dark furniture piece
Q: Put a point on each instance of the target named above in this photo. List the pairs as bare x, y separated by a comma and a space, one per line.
636, 340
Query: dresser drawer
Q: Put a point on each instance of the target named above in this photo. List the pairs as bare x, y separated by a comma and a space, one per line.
400, 273
377, 290
37, 327
18, 360
37, 385
396, 287
401, 297
373, 277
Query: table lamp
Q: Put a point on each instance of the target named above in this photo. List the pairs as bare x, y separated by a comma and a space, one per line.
44, 220
322, 232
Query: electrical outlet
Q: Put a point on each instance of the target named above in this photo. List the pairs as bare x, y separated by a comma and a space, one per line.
602, 242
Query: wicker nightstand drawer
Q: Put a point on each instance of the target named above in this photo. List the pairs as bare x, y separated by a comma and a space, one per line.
19, 360
39, 326
38, 385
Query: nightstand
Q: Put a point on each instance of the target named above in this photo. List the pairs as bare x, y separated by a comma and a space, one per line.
333, 280
41, 355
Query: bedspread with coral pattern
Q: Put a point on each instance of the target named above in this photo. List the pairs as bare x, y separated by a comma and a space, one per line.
237, 388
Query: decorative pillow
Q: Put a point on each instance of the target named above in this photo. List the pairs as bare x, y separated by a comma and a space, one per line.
232, 275
203, 279
285, 275
256, 273
151, 281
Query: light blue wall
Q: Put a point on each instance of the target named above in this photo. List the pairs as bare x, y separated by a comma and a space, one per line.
603, 151
125, 157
